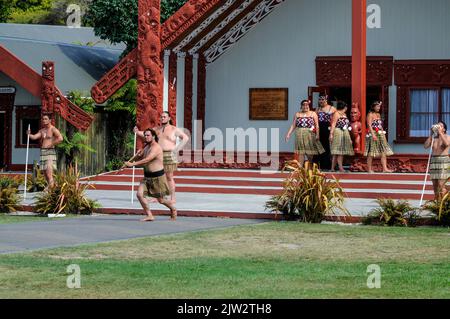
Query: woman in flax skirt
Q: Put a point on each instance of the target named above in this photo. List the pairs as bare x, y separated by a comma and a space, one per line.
376, 143
341, 142
306, 127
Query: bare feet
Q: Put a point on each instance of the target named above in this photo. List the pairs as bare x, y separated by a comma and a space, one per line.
370, 172
173, 215
148, 219
342, 170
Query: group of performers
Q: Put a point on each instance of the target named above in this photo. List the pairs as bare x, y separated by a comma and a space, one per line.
316, 132
158, 159
325, 134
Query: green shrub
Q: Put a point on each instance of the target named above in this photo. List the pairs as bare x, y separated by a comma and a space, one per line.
114, 164
38, 184
13, 182
67, 196
392, 213
307, 194
440, 210
9, 198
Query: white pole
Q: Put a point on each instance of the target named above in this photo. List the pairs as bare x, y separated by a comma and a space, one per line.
134, 168
426, 174
26, 164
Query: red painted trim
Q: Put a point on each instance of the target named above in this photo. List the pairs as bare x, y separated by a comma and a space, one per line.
188, 92
33, 82
416, 74
20, 72
173, 87
336, 71
180, 23
19, 167
276, 184
201, 94
359, 14
7, 105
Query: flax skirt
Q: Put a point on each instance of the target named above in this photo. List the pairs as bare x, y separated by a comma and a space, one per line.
306, 142
378, 148
439, 167
342, 143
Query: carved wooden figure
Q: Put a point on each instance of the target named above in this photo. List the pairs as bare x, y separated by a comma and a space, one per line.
355, 117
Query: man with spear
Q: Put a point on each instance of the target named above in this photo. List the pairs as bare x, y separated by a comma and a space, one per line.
49, 137
154, 183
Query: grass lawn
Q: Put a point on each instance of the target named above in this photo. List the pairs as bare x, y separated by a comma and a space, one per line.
270, 260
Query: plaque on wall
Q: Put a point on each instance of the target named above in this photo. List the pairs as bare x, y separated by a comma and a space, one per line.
269, 104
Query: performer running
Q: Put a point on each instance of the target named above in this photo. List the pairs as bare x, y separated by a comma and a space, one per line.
49, 137
168, 134
154, 183
306, 128
440, 162
376, 143
341, 142
325, 114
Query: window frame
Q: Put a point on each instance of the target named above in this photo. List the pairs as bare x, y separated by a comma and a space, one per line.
31, 112
411, 75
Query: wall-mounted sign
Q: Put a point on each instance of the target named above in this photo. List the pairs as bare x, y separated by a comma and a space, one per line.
7, 90
269, 104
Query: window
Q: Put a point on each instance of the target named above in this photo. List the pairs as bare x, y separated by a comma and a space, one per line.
423, 97
427, 107
34, 127
27, 115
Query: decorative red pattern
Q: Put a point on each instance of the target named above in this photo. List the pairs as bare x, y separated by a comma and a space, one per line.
416, 73
173, 28
7, 105
201, 93
337, 71
173, 87
54, 101
48, 88
422, 72
402, 163
149, 67
184, 18
188, 93
115, 78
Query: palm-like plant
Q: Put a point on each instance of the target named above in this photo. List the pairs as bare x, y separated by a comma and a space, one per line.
392, 213
67, 196
9, 198
440, 209
73, 147
308, 194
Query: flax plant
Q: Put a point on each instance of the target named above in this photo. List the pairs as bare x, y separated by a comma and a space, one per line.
308, 195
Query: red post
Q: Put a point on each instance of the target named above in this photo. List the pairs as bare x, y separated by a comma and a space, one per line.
359, 47
149, 66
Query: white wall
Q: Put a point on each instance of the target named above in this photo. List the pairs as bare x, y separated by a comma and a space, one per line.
281, 52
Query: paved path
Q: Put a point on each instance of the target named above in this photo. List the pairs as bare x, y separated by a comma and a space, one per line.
94, 229
214, 202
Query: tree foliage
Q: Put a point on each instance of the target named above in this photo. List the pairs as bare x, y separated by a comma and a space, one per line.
5, 10
116, 20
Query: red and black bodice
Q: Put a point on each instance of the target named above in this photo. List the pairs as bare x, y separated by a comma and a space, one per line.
324, 117
377, 124
305, 122
343, 123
